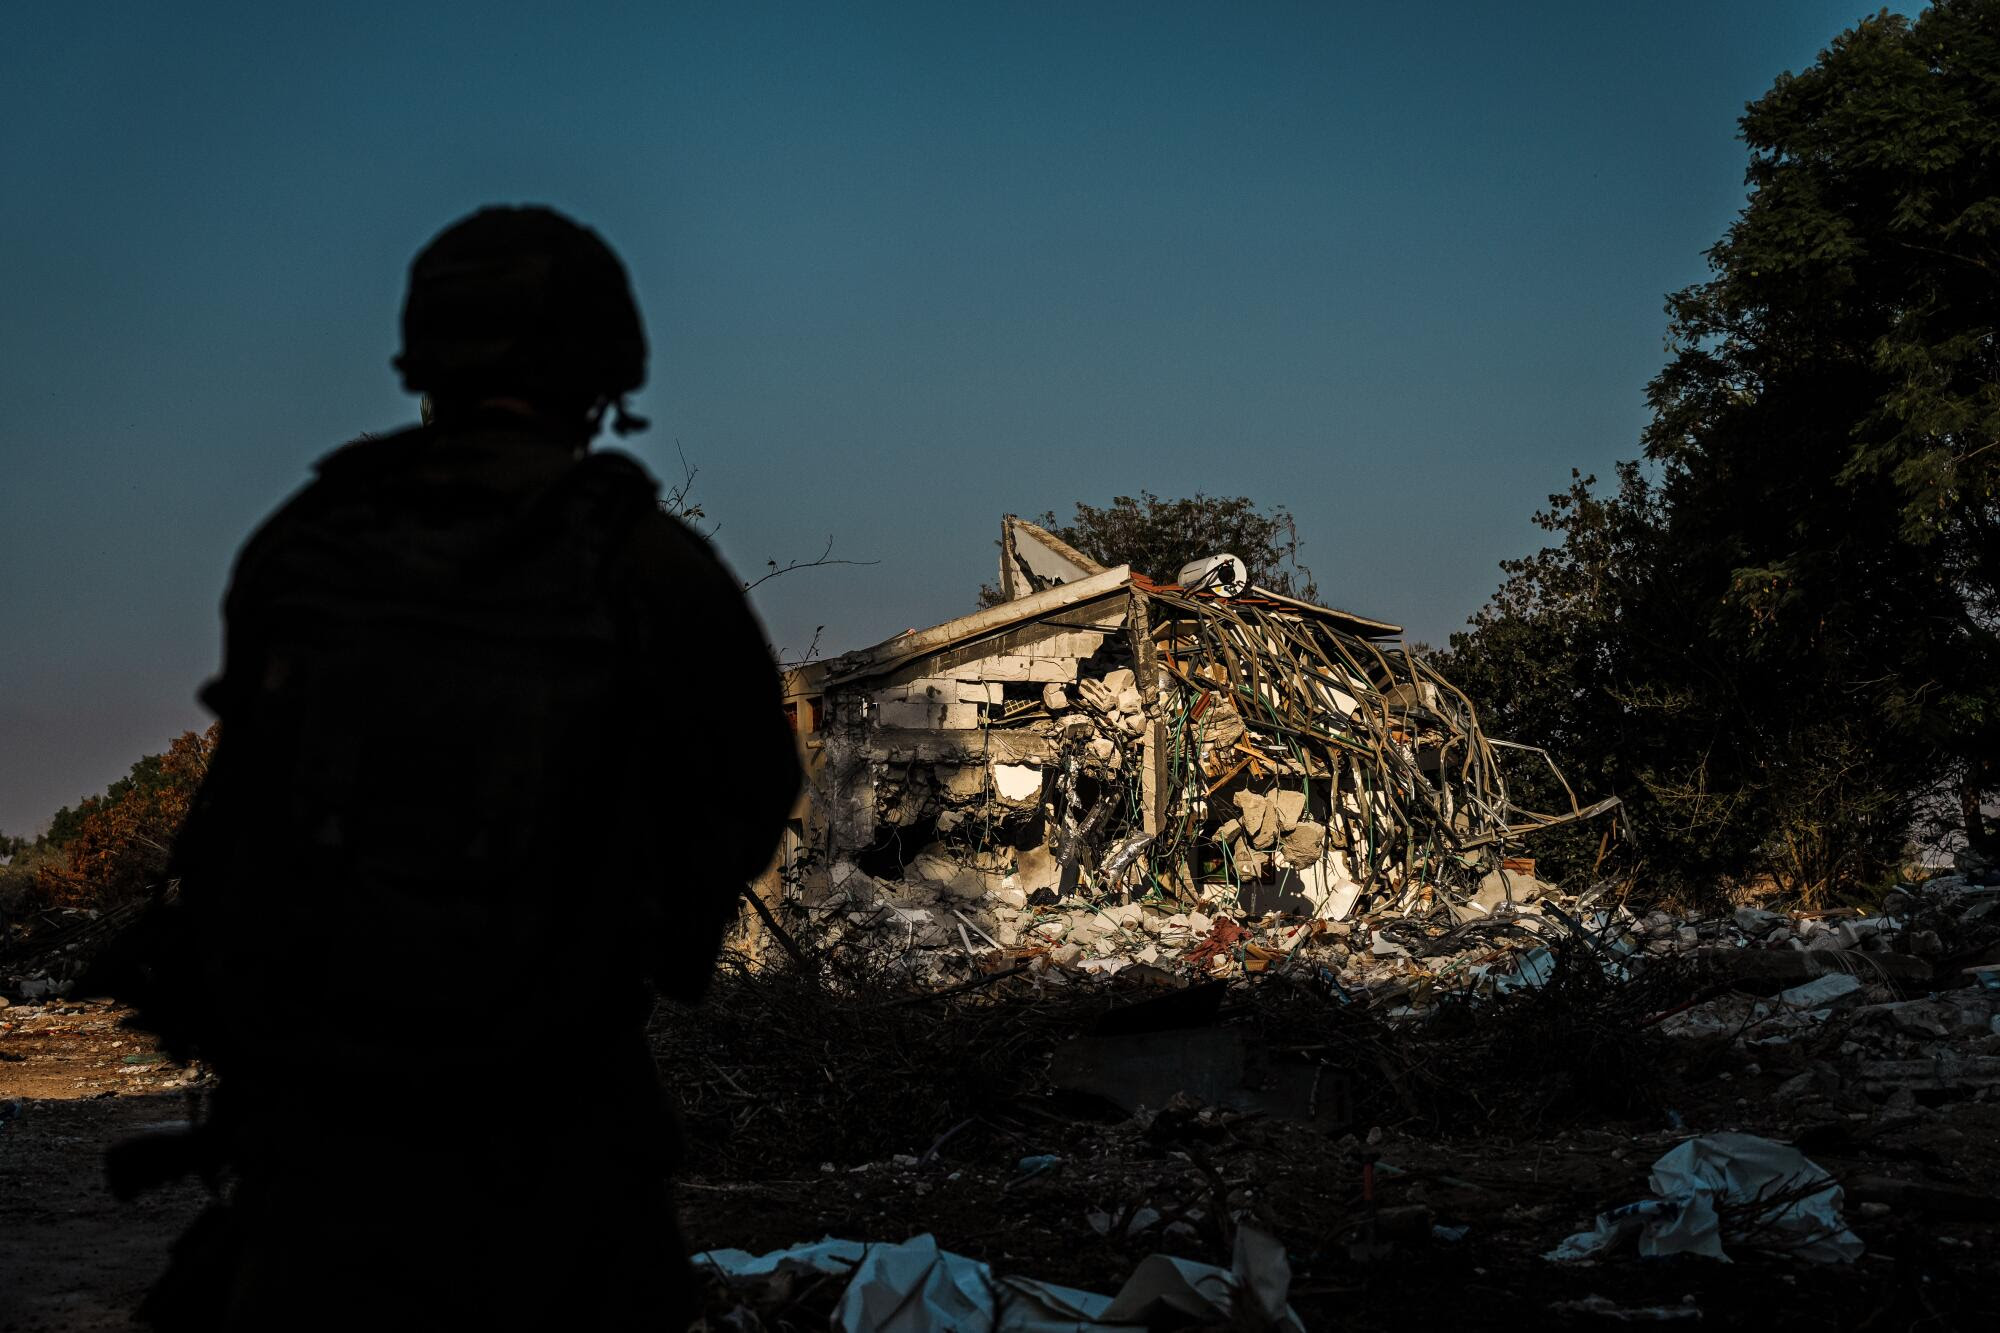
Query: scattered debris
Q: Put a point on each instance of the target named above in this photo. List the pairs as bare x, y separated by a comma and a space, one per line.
1607, 1308
915, 1287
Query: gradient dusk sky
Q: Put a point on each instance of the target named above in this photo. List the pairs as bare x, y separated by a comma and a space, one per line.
905, 268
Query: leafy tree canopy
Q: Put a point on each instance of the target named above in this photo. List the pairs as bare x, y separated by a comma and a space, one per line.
1778, 644
113, 847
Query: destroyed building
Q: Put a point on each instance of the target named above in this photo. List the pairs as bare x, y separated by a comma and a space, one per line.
1207, 747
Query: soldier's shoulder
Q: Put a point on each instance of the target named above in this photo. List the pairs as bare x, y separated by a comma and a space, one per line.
334, 474
662, 548
367, 454
661, 541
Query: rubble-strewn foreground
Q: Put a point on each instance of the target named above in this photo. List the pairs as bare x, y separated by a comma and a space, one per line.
1062, 1126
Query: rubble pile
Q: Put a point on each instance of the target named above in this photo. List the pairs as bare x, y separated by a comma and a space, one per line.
1898, 1008
1782, 977
1104, 776
44, 953
1498, 1083
1107, 768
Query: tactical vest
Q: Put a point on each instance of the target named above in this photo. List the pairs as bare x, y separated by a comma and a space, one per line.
426, 773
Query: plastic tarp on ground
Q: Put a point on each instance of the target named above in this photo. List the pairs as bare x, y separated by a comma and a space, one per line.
915, 1287
1789, 1202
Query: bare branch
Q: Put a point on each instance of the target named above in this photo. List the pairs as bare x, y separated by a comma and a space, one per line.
825, 558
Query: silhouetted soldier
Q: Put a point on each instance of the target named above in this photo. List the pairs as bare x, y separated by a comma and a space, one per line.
500, 743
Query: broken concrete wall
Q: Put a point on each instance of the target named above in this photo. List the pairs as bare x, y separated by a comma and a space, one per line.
1109, 741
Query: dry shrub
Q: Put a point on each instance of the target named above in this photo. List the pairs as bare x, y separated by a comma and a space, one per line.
779, 1069
1580, 1045
122, 839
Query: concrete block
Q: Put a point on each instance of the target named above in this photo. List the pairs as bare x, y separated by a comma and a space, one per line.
934, 868
1085, 926
962, 782
1079, 644
969, 886
911, 714
1014, 667
960, 717
903, 713
1017, 782
1824, 992
930, 689
1035, 868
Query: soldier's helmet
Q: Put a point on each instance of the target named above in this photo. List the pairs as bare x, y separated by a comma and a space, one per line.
521, 302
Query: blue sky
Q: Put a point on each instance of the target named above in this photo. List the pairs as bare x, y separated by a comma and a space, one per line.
905, 268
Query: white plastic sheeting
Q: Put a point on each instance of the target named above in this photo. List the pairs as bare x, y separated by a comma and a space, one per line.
1696, 1178
915, 1287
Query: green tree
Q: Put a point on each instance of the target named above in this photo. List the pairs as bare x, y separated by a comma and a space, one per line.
1797, 642
1828, 421
1157, 537
1545, 658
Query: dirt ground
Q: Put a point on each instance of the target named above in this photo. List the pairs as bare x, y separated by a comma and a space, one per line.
72, 1260
72, 1082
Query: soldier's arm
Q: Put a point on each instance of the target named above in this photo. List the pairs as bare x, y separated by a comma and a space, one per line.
726, 759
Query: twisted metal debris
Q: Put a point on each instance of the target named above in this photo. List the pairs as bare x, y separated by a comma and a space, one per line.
1105, 739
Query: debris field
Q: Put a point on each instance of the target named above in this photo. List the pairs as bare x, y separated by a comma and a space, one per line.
1174, 956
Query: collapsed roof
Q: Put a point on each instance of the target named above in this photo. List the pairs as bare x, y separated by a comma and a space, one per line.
1101, 734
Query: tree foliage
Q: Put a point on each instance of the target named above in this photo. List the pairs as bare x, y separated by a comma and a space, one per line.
1157, 537
1778, 642
114, 847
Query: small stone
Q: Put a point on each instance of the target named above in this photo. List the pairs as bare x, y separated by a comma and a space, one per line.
1086, 925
